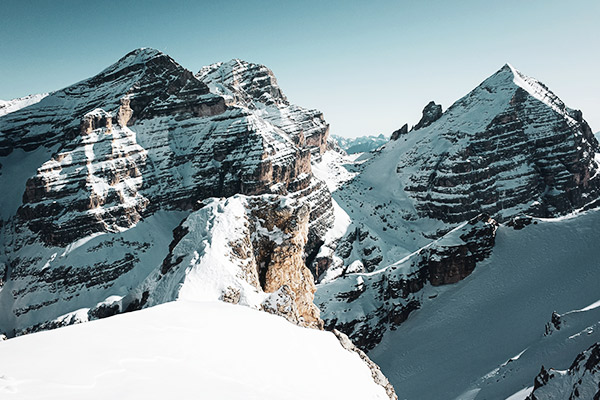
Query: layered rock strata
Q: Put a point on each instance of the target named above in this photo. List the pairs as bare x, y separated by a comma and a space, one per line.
365, 305
122, 159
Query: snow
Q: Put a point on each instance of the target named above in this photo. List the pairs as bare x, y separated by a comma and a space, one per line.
521, 394
147, 242
495, 320
6, 107
208, 350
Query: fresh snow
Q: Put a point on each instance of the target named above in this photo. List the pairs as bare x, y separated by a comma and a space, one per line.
6, 107
181, 350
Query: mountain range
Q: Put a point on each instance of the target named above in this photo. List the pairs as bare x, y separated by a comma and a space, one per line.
459, 252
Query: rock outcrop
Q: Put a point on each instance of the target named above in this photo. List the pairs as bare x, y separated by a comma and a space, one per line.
378, 376
364, 306
402, 131
431, 113
242, 250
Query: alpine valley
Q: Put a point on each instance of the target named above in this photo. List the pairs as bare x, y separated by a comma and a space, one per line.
456, 260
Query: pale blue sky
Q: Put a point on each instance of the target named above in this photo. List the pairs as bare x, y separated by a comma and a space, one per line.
370, 66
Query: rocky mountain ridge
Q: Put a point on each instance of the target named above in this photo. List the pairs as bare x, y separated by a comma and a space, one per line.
143, 145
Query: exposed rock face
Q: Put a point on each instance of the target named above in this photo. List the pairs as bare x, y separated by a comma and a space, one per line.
246, 250
378, 376
431, 113
580, 381
382, 300
126, 156
92, 185
402, 131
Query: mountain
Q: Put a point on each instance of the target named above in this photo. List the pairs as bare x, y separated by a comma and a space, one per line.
360, 144
211, 350
466, 216
117, 186
459, 252
510, 146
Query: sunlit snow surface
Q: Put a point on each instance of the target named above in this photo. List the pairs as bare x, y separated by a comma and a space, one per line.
8, 106
484, 338
184, 350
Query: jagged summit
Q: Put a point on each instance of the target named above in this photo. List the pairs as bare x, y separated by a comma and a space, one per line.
136, 61
254, 87
243, 82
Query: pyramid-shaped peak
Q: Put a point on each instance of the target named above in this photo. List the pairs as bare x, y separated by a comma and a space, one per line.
141, 56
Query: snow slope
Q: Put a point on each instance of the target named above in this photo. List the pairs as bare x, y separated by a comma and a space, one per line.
6, 107
182, 350
487, 336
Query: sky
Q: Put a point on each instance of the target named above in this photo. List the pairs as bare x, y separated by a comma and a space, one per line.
369, 66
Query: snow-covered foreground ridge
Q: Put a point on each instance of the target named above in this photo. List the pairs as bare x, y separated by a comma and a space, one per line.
206, 350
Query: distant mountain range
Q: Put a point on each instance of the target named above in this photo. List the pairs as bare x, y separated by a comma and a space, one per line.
360, 144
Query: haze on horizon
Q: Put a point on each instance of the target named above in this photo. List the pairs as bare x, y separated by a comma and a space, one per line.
369, 67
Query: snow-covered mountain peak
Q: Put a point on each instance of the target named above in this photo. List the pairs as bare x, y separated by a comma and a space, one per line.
156, 143
472, 149
138, 56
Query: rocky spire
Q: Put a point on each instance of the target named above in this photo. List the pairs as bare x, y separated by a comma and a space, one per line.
431, 113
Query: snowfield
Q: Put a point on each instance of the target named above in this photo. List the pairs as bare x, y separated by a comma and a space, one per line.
183, 350
487, 336
6, 107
